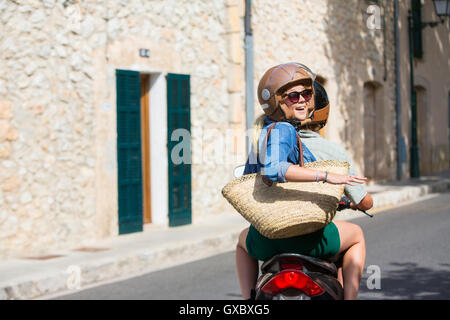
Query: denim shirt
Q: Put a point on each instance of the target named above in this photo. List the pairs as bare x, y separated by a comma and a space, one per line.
282, 152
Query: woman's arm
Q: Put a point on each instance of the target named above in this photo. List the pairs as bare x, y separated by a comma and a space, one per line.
365, 204
299, 174
280, 144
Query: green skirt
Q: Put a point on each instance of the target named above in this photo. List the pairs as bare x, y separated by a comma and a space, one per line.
324, 243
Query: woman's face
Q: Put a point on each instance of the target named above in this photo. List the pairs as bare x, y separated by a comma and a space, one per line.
298, 99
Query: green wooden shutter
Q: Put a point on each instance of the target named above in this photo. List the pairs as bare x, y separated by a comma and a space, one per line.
129, 151
179, 116
416, 7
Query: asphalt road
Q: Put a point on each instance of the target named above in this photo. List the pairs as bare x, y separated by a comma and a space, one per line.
408, 257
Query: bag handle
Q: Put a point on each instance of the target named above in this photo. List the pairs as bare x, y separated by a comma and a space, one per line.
266, 180
299, 143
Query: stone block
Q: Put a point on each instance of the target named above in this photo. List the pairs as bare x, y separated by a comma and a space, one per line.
5, 110
5, 150
26, 197
235, 81
231, 3
233, 20
235, 108
236, 48
10, 184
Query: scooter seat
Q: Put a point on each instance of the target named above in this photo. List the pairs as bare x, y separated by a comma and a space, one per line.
280, 261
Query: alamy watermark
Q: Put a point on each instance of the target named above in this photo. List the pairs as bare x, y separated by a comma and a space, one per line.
374, 280
220, 147
73, 281
374, 19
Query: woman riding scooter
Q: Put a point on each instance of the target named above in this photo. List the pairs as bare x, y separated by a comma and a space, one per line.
287, 94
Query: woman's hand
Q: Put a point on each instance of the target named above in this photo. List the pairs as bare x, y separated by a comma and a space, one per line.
300, 174
335, 178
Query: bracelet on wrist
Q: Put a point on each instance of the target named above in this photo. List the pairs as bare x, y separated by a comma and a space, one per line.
326, 176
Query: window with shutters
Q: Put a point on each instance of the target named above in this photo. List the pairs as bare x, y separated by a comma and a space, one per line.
417, 28
128, 94
179, 117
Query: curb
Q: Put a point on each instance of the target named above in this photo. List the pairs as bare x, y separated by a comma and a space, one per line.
116, 267
410, 192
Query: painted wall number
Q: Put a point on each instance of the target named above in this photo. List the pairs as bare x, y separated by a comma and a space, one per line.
145, 53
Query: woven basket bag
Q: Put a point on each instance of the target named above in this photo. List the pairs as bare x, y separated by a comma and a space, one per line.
283, 210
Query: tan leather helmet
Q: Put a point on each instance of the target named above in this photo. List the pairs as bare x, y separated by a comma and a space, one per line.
276, 80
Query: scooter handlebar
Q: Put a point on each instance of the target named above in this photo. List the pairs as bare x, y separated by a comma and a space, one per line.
345, 202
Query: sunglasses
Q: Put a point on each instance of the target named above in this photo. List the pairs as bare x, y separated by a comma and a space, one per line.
294, 96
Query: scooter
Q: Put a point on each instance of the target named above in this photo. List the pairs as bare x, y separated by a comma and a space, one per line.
291, 276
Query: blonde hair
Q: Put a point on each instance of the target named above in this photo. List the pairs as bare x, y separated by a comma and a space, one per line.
256, 131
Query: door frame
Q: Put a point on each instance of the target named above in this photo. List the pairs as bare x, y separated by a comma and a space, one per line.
158, 149
145, 143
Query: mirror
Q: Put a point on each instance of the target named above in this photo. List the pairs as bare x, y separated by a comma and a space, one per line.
239, 171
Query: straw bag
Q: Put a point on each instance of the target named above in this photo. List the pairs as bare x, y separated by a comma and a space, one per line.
283, 210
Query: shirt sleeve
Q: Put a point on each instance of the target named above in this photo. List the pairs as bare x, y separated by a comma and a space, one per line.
281, 143
357, 192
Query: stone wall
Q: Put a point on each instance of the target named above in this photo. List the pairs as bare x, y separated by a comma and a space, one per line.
47, 165
58, 170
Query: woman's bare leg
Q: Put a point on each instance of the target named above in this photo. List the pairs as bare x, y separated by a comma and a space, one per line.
340, 277
353, 249
247, 267
338, 264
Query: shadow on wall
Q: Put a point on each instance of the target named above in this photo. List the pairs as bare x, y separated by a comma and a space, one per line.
411, 282
347, 47
359, 54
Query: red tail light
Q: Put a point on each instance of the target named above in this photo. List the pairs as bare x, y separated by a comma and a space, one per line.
292, 279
